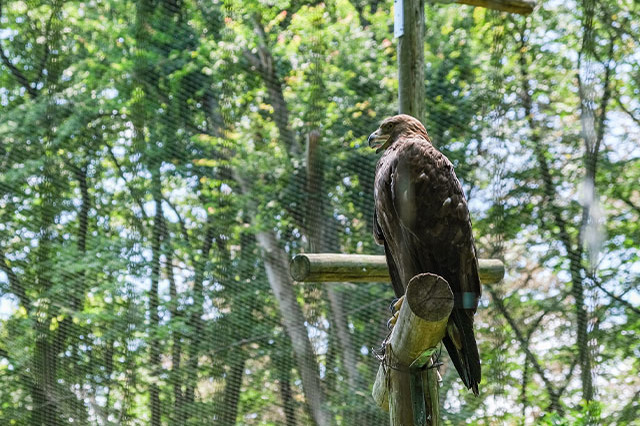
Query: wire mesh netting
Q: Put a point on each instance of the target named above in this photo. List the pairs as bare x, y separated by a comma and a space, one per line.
162, 161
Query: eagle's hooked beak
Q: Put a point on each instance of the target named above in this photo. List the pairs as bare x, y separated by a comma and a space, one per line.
379, 141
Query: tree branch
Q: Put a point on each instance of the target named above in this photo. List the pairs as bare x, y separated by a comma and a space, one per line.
554, 395
22, 79
126, 182
253, 60
265, 64
535, 324
604, 103
46, 49
566, 381
629, 203
618, 298
24, 82
15, 285
592, 149
574, 253
630, 410
183, 227
628, 112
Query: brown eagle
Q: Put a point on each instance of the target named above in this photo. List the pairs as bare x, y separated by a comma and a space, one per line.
422, 219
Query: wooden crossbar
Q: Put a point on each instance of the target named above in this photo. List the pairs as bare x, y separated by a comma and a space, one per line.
358, 268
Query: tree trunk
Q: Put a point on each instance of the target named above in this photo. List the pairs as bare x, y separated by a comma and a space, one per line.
281, 359
277, 268
83, 228
276, 99
286, 394
265, 65
275, 260
108, 371
322, 231
593, 126
574, 249
232, 387
154, 323
46, 409
176, 337
44, 391
196, 323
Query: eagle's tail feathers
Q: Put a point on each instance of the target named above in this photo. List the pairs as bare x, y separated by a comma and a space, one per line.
466, 359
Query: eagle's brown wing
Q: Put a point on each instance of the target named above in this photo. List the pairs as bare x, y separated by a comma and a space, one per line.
396, 281
423, 220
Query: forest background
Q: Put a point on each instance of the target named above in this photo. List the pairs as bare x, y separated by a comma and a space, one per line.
162, 160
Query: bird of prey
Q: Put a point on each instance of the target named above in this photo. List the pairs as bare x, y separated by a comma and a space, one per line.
422, 219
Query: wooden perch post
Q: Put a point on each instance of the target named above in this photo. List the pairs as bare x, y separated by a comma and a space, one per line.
420, 327
421, 324
409, 30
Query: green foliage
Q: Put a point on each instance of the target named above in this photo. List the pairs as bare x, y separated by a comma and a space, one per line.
144, 146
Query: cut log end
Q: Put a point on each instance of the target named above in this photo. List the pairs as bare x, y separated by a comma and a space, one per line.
300, 267
422, 319
429, 297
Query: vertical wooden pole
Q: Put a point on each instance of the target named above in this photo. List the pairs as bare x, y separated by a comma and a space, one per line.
411, 86
421, 325
411, 98
409, 30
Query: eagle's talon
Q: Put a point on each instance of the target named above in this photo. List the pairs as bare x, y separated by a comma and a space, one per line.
397, 304
395, 311
390, 324
392, 321
392, 305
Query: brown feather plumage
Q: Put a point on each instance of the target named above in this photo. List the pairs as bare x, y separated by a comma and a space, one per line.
422, 219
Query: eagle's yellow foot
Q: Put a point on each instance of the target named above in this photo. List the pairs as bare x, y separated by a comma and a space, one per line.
395, 310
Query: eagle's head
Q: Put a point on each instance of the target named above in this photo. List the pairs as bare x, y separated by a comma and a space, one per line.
392, 128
